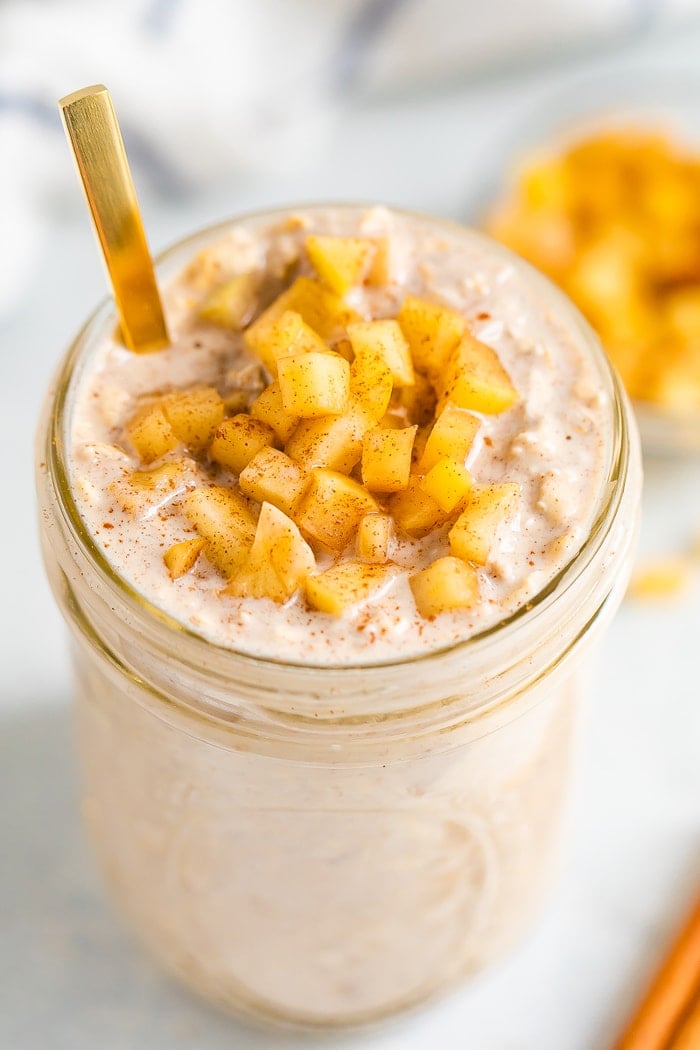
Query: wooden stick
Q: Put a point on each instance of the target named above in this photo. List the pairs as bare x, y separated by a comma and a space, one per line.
670, 995
94, 135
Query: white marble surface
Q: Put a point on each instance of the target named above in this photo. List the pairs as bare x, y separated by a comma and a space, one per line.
70, 978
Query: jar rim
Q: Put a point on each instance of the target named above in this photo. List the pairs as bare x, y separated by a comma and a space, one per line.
619, 453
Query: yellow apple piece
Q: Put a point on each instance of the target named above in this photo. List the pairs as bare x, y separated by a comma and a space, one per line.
474, 378
332, 507
473, 534
448, 482
278, 562
386, 458
143, 492
451, 437
432, 331
314, 384
321, 309
371, 383
194, 415
333, 441
340, 262
344, 585
237, 440
386, 340
286, 336
384, 266
375, 533
446, 585
415, 512
268, 408
272, 477
232, 304
150, 433
181, 557
224, 519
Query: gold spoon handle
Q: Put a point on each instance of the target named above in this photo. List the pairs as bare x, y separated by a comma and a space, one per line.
93, 132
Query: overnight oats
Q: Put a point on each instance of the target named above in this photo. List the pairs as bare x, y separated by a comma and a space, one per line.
334, 561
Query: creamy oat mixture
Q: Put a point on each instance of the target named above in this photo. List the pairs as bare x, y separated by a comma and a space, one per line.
553, 442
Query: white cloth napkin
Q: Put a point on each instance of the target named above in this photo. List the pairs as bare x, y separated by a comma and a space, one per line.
204, 88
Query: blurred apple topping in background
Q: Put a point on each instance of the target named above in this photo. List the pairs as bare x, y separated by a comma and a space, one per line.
614, 219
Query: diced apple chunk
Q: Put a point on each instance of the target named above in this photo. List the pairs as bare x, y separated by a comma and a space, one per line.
286, 336
371, 383
448, 482
384, 264
432, 331
446, 585
142, 492
278, 562
344, 585
474, 532
268, 408
331, 509
321, 308
451, 437
340, 262
237, 440
374, 536
232, 305
474, 378
272, 477
386, 458
194, 415
314, 385
334, 441
387, 341
223, 518
150, 433
181, 557
415, 512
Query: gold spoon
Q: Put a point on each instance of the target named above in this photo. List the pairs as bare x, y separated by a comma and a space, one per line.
93, 132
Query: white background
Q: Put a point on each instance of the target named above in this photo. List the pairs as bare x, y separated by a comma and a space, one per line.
70, 977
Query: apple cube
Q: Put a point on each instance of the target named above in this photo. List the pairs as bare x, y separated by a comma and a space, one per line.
371, 383
384, 264
448, 482
473, 534
194, 415
386, 458
451, 437
314, 384
386, 340
374, 537
223, 518
269, 409
340, 262
181, 557
446, 585
474, 378
432, 331
415, 512
344, 585
278, 562
237, 440
272, 477
143, 492
150, 433
321, 308
334, 441
232, 305
286, 336
331, 509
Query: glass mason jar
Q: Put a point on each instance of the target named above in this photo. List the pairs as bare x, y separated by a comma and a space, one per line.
326, 845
